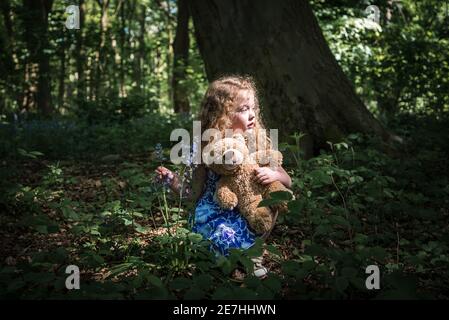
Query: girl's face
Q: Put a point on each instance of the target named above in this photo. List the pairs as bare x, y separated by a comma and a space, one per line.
243, 117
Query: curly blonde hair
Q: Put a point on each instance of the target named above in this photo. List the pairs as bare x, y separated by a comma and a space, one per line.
219, 105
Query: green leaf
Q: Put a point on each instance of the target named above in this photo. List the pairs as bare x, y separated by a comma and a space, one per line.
97, 258
290, 267
271, 248
36, 153
223, 293
203, 281
349, 272
247, 263
194, 293
268, 202
256, 249
281, 195
273, 283
139, 228
41, 229
252, 282
319, 176
155, 281
120, 268
296, 206
69, 213
243, 293
180, 283
315, 250
341, 283
16, 285
339, 220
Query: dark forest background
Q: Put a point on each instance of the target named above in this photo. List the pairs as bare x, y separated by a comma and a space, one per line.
86, 116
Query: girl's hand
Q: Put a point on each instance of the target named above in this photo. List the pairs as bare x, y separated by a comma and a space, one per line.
266, 175
165, 175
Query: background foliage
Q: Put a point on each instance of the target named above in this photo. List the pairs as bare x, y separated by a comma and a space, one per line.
77, 184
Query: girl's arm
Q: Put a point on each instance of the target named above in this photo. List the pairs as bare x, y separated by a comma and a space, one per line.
266, 175
191, 192
164, 175
284, 178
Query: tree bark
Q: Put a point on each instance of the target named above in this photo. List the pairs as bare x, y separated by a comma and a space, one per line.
36, 37
166, 10
11, 73
180, 62
101, 53
80, 57
302, 87
62, 71
140, 53
122, 48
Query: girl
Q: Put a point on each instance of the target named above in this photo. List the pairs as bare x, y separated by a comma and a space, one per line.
230, 102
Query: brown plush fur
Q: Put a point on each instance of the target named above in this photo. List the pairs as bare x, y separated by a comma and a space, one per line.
236, 187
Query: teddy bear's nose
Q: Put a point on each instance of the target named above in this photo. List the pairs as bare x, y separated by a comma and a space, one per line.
229, 157
232, 157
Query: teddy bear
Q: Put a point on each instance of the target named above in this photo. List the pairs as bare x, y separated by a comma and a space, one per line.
230, 158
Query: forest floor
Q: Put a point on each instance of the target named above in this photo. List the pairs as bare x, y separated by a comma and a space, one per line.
354, 207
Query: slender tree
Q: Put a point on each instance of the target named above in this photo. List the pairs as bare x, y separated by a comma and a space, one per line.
36, 37
80, 56
8, 66
181, 56
102, 47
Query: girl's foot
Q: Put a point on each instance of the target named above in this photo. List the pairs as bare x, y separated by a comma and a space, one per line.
259, 270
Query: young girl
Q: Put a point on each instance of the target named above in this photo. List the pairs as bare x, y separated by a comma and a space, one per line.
229, 103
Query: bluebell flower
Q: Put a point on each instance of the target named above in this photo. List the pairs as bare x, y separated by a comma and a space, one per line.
159, 152
195, 151
167, 180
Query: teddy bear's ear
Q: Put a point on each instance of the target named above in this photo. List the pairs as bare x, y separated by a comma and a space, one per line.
210, 152
239, 137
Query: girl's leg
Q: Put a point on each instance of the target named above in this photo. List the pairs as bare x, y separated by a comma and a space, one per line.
267, 234
259, 270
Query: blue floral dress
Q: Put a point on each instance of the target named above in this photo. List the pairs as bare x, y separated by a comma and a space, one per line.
226, 229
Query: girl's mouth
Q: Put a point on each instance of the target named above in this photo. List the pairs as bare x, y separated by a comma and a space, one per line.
251, 125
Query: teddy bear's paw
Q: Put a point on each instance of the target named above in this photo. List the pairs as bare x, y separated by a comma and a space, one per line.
226, 201
280, 207
262, 220
262, 227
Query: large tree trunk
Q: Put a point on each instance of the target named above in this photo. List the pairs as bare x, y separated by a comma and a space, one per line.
280, 43
36, 37
181, 55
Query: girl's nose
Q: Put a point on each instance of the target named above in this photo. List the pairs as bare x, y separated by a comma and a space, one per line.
251, 114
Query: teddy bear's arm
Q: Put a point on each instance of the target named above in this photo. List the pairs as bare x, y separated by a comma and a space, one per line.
225, 197
277, 186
